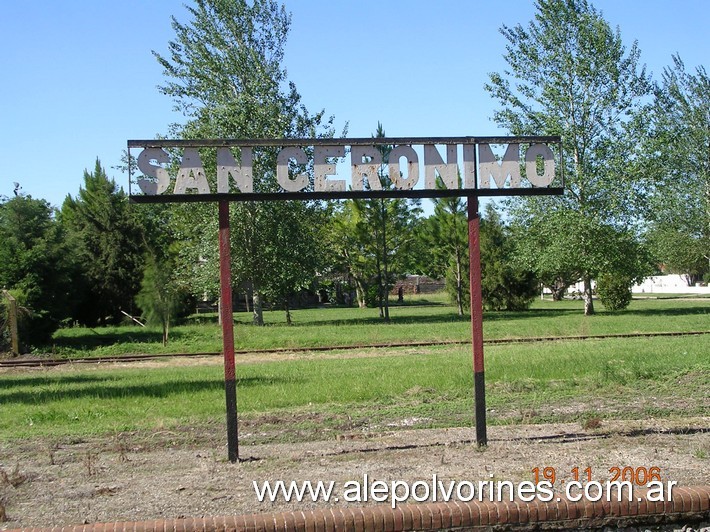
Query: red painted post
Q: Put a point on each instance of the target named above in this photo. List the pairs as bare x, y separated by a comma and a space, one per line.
474, 254
227, 318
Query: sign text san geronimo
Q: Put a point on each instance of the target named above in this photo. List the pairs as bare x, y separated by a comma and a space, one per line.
475, 163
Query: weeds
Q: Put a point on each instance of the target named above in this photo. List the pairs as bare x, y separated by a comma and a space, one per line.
700, 453
90, 463
15, 478
591, 423
51, 453
122, 449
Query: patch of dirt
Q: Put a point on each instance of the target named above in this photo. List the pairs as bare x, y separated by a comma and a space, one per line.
184, 472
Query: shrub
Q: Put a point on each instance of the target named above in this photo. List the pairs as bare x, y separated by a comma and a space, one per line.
372, 296
614, 291
37, 325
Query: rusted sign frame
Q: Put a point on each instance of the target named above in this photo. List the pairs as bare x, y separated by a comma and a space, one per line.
340, 141
473, 216
417, 193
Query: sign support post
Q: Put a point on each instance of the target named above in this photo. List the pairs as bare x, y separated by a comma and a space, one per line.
227, 319
474, 254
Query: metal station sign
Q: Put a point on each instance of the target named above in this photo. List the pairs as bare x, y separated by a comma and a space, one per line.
306, 169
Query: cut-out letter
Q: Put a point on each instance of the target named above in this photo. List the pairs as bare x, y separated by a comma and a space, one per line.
433, 164
366, 161
241, 173
398, 180
469, 166
191, 175
548, 161
299, 181
322, 169
160, 174
510, 166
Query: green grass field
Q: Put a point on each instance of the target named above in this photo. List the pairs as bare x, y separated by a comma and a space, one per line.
434, 321
377, 390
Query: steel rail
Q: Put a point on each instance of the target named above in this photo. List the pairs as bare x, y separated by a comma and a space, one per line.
39, 362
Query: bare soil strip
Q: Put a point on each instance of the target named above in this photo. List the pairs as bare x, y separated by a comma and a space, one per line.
183, 472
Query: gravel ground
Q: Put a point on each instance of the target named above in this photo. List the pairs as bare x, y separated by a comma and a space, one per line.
184, 472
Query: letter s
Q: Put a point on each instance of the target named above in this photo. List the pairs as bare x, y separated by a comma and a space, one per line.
150, 187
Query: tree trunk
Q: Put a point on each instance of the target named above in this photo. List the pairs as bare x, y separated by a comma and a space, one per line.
166, 329
250, 296
588, 301
387, 305
360, 293
258, 311
558, 291
692, 278
379, 289
459, 284
385, 283
288, 313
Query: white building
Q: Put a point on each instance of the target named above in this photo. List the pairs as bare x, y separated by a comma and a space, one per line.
668, 284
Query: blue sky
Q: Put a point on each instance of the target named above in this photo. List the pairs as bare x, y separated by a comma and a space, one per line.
79, 79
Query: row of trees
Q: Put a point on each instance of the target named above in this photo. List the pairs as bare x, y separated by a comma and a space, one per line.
99, 260
635, 157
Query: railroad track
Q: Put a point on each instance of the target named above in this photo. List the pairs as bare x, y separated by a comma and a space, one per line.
48, 362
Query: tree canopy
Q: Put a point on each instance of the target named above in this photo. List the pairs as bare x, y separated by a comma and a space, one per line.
37, 265
569, 74
224, 71
108, 241
674, 161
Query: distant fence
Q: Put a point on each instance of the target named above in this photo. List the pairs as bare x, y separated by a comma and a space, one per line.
418, 284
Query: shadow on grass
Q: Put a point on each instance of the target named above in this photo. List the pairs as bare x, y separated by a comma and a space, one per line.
585, 436
33, 382
448, 317
700, 308
92, 340
114, 388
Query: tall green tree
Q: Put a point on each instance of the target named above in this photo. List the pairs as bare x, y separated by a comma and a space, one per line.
109, 244
675, 162
158, 297
348, 239
225, 73
36, 266
161, 298
377, 237
566, 245
296, 260
504, 284
445, 235
569, 74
